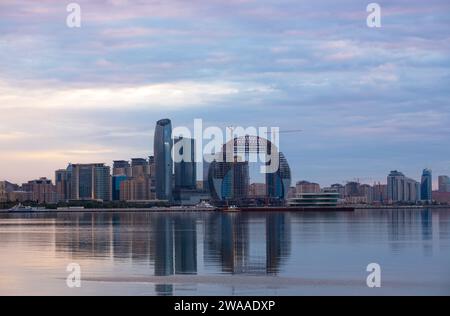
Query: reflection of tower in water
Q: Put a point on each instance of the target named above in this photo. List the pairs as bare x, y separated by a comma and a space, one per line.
83, 235
175, 248
185, 245
278, 243
229, 240
163, 231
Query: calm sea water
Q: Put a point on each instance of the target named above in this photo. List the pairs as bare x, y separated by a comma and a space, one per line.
226, 254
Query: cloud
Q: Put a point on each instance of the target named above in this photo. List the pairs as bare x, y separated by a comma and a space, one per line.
170, 95
72, 93
13, 135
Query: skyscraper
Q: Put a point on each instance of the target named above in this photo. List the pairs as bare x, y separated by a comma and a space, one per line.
185, 170
401, 188
163, 159
63, 183
91, 182
241, 179
426, 186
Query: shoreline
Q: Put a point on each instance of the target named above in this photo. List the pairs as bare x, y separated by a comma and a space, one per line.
217, 209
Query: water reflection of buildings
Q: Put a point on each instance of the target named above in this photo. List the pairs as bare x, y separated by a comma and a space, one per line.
231, 242
168, 242
238, 243
406, 226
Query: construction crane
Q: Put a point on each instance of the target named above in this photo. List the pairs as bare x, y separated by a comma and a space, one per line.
283, 132
287, 131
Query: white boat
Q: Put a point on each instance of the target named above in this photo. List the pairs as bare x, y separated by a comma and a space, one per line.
232, 208
204, 204
21, 208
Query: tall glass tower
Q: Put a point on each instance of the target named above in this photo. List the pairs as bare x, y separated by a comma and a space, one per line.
163, 159
185, 170
426, 185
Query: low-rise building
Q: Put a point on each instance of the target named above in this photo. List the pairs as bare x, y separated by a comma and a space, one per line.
441, 197
318, 199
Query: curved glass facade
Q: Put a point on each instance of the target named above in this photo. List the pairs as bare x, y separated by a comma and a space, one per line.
229, 181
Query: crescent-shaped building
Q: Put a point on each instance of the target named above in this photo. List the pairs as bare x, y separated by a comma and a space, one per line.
228, 174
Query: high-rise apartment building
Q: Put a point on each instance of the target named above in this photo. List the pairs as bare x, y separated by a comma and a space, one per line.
367, 192
307, 187
352, 189
63, 182
42, 190
380, 193
401, 188
121, 168
139, 167
339, 188
135, 181
5, 190
136, 189
91, 182
444, 184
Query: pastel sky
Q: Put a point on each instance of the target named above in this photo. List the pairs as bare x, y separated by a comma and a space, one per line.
369, 100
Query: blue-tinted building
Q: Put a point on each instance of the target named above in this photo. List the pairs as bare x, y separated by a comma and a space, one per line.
163, 160
426, 186
229, 181
116, 181
278, 183
90, 182
185, 170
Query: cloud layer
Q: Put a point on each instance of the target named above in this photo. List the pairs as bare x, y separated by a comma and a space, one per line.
368, 100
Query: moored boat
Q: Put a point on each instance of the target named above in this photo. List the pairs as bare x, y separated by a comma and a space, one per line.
19, 208
232, 208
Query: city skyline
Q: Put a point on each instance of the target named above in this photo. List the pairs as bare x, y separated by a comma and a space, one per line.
166, 135
436, 180
368, 100
436, 184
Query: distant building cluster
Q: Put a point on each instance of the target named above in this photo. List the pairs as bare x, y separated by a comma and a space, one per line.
159, 178
398, 189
